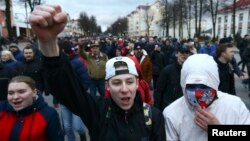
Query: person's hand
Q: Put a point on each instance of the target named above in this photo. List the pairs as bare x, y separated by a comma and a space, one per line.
47, 21
203, 118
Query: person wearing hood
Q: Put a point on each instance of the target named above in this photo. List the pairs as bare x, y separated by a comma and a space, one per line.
25, 116
203, 104
17, 53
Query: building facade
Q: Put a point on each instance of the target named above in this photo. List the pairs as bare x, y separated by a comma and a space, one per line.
137, 25
224, 27
19, 21
3, 26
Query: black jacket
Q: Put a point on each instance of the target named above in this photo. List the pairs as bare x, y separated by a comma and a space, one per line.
32, 68
226, 75
6, 74
168, 87
103, 118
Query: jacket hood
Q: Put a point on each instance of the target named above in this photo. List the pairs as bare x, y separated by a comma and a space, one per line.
200, 69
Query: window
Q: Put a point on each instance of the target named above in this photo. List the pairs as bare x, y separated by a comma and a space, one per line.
219, 20
241, 17
225, 32
226, 19
240, 30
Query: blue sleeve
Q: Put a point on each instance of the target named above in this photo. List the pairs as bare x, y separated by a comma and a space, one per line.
82, 72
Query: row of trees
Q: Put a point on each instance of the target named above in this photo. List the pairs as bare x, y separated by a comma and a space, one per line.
177, 13
119, 27
89, 25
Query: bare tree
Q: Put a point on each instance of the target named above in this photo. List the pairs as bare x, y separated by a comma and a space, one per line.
119, 27
8, 18
88, 24
181, 19
188, 16
84, 23
200, 16
31, 3
148, 17
199, 11
214, 11
93, 25
234, 15
165, 12
196, 16
174, 8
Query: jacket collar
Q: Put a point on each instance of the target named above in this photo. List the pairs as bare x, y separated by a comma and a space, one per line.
136, 106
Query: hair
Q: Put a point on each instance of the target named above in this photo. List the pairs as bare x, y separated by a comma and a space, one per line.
25, 79
28, 46
222, 48
9, 53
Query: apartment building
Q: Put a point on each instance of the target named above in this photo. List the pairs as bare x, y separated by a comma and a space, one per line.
242, 19
137, 24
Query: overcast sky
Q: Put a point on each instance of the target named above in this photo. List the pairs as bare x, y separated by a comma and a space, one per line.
105, 11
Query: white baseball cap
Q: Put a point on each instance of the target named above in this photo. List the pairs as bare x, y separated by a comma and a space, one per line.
111, 70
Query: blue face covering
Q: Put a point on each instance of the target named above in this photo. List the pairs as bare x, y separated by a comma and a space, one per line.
199, 95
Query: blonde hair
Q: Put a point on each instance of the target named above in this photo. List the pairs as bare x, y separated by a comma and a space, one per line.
7, 52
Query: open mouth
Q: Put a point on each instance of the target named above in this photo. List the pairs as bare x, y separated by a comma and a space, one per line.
17, 104
126, 99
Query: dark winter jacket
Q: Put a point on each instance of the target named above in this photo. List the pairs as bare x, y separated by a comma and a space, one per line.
38, 122
246, 54
226, 75
18, 55
6, 74
103, 118
33, 69
80, 69
158, 63
14, 65
168, 87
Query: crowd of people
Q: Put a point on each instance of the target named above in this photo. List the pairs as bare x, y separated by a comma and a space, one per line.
132, 89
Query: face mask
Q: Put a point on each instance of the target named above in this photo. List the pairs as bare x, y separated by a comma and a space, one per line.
200, 95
